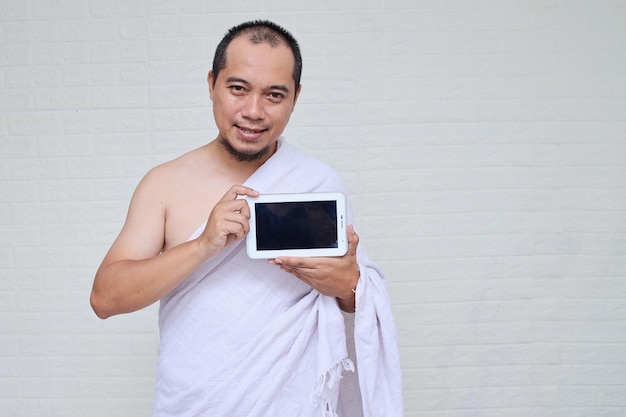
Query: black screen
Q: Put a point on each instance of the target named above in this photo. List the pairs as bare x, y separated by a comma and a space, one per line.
296, 225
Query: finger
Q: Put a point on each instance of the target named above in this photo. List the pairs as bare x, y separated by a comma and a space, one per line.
229, 222
233, 208
239, 190
240, 207
294, 262
240, 217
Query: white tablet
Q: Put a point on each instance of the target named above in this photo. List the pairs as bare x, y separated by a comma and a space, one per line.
309, 224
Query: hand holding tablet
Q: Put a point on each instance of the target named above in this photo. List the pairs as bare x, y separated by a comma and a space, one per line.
304, 224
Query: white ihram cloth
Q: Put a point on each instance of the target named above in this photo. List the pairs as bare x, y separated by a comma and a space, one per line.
239, 337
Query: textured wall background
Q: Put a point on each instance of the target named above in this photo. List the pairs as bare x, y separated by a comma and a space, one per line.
484, 143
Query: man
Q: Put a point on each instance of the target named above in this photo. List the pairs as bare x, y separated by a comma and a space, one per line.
243, 337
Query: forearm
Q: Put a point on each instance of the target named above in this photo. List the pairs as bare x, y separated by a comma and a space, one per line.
128, 285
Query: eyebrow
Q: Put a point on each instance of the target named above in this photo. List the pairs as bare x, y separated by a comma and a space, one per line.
279, 87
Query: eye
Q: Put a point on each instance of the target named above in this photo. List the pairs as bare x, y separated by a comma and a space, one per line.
237, 89
276, 96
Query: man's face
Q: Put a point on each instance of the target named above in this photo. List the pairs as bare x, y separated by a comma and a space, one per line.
253, 97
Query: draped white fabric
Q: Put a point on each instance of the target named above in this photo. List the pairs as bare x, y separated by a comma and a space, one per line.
239, 337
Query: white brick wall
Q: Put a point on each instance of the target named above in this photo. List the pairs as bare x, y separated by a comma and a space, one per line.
484, 143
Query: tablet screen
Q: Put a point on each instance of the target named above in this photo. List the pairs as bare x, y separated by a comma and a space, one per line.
296, 225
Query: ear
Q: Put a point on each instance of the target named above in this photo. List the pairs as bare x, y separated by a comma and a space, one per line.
295, 98
210, 80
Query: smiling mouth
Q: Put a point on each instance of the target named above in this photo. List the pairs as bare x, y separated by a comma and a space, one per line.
250, 127
243, 129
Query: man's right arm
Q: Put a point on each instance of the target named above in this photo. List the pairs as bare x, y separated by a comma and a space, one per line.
135, 273
125, 285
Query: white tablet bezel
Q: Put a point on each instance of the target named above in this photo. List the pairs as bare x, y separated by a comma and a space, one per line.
342, 220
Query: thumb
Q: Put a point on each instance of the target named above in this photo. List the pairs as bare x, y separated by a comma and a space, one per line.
353, 240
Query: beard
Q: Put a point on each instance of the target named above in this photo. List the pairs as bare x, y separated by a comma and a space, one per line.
244, 156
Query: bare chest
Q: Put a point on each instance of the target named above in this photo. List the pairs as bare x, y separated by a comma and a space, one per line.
184, 217
190, 207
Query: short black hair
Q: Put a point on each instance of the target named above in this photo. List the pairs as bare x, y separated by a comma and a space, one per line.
259, 31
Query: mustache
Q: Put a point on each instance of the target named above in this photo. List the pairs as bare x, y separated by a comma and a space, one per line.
251, 126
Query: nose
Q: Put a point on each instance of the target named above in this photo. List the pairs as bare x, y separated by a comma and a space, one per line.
253, 107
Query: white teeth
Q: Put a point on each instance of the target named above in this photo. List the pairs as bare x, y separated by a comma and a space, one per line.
250, 131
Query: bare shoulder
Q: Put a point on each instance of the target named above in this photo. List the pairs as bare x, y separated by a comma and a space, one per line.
170, 171
144, 232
